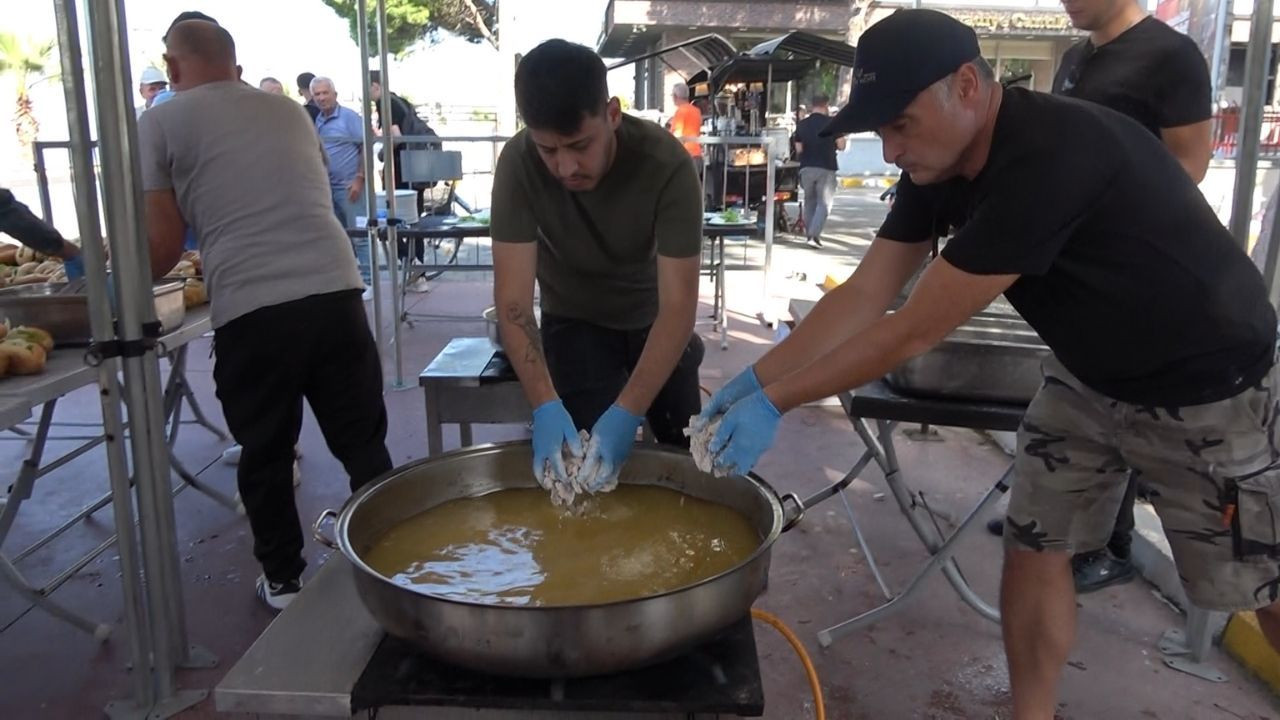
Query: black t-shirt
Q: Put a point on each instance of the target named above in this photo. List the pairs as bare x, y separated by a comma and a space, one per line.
312, 109
1126, 273
815, 151
1151, 72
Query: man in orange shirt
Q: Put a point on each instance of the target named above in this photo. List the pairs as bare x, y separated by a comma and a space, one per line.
687, 123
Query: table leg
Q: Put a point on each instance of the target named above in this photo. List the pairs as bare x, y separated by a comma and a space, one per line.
723, 292
464, 434
435, 439
938, 560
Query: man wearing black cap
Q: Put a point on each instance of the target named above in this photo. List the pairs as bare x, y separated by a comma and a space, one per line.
1162, 335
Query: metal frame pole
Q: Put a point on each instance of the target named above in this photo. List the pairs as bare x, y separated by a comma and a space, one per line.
135, 303
371, 200
1256, 63
82, 174
389, 188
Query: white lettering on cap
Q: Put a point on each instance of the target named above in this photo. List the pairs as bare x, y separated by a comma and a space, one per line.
861, 77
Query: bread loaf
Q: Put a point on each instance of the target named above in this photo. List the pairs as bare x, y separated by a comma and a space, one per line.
28, 268
25, 358
33, 334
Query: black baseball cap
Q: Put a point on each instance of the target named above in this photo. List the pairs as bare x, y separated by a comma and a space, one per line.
896, 59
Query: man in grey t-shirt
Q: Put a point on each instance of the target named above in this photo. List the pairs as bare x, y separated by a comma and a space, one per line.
244, 170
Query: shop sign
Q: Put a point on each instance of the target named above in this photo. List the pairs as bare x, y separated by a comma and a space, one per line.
1012, 22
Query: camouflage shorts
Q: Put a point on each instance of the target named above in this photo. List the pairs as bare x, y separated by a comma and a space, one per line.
1214, 472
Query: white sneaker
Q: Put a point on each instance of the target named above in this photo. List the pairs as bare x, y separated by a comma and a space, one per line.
277, 596
418, 286
231, 455
367, 295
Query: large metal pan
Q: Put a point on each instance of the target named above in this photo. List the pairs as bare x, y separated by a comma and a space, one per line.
553, 642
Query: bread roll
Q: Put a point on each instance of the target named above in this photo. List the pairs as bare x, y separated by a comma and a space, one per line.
4, 365
33, 334
9, 255
25, 255
25, 358
48, 267
194, 293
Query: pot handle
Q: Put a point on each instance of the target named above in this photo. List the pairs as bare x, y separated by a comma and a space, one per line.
790, 523
318, 533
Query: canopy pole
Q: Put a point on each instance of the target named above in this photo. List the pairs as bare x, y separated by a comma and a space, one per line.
86, 199
389, 189
372, 236
135, 304
1256, 63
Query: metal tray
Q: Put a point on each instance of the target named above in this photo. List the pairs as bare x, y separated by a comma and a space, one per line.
65, 315
993, 357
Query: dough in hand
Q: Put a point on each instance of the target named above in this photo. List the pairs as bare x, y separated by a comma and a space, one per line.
700, 444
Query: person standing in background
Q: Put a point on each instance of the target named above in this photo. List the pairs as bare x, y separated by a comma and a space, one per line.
817, 155
1138, 66
153, 83
304, 89
272, 85
687, 123
341, 130
404, 121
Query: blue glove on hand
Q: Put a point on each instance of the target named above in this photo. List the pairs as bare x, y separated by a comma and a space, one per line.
739, 387
74, 267
612, 438
747, 431
552, 430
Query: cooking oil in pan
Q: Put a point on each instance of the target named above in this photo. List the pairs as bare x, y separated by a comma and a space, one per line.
514, 547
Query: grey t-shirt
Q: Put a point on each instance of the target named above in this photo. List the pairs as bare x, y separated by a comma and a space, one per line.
249, 174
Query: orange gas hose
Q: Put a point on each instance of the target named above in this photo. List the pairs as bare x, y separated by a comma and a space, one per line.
809, 670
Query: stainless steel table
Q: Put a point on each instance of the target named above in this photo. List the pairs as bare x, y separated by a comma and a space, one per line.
467, 384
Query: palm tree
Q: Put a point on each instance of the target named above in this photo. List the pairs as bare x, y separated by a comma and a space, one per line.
25, 58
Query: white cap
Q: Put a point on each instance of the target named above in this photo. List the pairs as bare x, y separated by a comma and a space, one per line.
151, 75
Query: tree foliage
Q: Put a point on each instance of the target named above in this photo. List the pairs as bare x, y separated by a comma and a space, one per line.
409, 21
29, 61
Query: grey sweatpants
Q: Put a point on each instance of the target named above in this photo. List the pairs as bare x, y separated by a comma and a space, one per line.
818, 186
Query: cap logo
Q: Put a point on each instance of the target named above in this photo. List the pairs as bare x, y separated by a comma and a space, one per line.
862, 77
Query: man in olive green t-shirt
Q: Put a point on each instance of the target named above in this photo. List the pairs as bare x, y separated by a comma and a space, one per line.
605, 211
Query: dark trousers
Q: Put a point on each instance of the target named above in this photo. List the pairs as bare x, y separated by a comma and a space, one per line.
318, 348
1122, 535
590, 364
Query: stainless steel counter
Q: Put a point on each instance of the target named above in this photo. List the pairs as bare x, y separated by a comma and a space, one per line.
308, 660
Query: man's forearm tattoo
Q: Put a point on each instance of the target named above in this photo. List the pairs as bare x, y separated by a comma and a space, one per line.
529, 326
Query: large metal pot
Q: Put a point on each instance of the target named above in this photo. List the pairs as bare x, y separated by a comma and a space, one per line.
553, 642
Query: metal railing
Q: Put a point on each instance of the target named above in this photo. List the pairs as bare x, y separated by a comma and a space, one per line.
1226, 134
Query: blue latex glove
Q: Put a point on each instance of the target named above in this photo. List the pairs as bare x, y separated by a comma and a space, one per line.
747, 431
742, 385
74, 267
552, 430
612, 438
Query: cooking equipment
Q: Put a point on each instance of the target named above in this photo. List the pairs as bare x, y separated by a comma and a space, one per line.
994, 357
553, 642
65, 314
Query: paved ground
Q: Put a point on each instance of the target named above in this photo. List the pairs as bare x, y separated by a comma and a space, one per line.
936, 659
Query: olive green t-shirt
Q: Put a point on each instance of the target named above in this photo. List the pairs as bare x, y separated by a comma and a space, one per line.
597, 250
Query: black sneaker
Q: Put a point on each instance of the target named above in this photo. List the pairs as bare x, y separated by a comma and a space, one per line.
277, 596
1096, 570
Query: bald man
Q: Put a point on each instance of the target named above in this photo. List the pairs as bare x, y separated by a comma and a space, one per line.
245, 169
